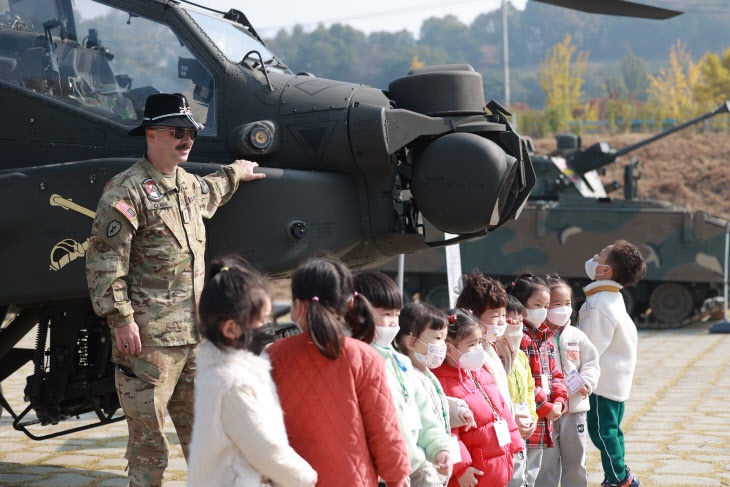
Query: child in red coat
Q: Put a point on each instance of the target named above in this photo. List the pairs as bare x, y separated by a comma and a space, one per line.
486, 451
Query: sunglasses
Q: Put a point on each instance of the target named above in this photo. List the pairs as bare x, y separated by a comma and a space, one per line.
179, 133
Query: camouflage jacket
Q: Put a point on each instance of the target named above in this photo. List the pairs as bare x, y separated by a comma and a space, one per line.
145, 261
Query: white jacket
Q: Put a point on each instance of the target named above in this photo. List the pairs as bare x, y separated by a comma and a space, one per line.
578, 353
238, 434
603, 318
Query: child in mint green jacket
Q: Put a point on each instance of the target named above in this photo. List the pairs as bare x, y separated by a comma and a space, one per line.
427, 441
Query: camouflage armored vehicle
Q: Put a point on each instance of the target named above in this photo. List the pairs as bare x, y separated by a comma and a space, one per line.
570, 216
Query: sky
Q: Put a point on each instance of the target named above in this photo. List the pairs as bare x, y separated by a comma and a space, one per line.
369, 15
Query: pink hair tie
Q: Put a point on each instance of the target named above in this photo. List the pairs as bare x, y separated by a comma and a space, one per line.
315, 298
354, 295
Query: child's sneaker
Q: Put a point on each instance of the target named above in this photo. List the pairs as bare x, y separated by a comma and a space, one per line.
629, 481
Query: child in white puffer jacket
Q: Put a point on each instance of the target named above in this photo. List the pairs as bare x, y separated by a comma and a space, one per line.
239, 437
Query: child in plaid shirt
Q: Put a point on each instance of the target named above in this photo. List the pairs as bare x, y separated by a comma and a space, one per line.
550, 394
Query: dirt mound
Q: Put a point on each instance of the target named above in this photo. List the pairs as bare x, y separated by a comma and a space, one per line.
684, 168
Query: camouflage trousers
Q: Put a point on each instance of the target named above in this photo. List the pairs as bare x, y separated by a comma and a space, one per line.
158, 381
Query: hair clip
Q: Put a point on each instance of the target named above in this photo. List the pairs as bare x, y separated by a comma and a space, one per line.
224, 269
315, 298
452, 319
354, 295
513, 283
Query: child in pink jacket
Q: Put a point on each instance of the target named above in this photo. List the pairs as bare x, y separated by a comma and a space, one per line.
487, 450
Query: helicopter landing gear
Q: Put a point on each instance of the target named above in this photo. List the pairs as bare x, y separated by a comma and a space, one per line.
671, 302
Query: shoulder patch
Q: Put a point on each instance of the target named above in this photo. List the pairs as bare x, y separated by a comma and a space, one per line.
113, 228
203, 185
151, 190
125, 210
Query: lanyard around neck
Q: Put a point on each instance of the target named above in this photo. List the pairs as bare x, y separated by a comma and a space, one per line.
485, 397
440, 395
560, 353
517, 381
543, 360
399, 375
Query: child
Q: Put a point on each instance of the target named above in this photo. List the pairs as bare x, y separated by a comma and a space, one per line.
338, 409
486, 451
566, 463
238, 433
485, 297
422, 336
550, 393
521, 383
427, 441
604, 320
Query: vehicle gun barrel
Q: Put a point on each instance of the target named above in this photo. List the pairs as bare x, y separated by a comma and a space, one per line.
599, 155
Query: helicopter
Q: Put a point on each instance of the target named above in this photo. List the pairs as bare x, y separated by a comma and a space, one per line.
351, 169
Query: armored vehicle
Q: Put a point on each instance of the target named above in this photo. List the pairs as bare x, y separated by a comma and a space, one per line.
570, 216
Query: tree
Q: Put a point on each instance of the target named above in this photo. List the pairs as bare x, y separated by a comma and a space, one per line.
561, 77
635, 74
714, 85
673, 88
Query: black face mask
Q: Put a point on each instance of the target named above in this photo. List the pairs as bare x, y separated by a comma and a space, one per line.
260, 337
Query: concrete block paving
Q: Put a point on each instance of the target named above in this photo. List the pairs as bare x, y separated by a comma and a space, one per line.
676, 425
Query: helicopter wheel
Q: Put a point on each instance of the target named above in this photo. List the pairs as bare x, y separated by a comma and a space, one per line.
671, 302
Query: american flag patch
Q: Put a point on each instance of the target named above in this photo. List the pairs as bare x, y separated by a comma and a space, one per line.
126, 210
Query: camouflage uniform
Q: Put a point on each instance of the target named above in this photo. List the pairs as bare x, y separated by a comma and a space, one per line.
145, 264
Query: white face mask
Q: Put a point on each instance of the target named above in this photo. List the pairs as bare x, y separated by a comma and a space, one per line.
591, 267
514, 337
494, 332
560, 316
434, 357
536, 316
472, 360
384, 335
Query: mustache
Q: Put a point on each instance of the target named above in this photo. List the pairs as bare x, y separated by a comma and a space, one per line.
183, 146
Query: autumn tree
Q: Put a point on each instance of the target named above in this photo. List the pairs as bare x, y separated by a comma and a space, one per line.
673, 88
561, 77
713, 87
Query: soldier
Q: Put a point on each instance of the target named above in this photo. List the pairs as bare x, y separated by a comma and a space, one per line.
145, 268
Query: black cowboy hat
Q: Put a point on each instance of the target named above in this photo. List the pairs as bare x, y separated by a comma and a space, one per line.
167, 109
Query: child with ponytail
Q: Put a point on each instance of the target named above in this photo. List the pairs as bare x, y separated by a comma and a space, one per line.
550, 392
238, 432
486, 451
565, 464
337, 404
422, 336
429, 444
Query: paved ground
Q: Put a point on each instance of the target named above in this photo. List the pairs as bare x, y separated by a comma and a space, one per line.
677, 425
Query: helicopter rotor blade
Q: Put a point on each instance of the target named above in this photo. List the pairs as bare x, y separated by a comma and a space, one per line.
615, 7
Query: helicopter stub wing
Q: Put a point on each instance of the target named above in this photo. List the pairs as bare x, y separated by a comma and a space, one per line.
615, 7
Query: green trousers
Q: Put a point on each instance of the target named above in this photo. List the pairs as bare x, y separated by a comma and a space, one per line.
604, 428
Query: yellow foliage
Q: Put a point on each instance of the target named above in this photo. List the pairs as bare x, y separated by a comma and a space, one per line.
673, 88
561, 77
713, 87
415, 63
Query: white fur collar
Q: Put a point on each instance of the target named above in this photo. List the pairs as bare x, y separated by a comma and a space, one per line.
602, 282
230, 362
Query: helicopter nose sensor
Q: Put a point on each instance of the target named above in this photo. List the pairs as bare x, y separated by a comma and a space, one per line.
465, 195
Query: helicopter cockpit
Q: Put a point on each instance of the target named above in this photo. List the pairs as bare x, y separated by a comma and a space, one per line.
100, 59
